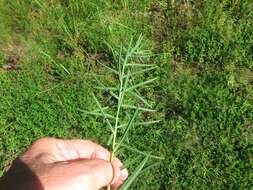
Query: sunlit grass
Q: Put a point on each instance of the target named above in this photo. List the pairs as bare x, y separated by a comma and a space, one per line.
186, 89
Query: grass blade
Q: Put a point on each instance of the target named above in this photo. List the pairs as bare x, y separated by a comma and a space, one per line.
141, 123
53, 61
127, 163
111, 49
109, 142
140, 98
109, 68
141, 84
125, 86
150, 166
102, 111
143, 153
135, 174
96, 114
139, 65
142, 71
147, 122
139, 108
106, 88
130, 124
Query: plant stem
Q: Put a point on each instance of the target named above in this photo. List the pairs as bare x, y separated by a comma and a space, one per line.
120, 99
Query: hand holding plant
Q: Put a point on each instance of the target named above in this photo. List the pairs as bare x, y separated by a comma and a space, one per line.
125, 114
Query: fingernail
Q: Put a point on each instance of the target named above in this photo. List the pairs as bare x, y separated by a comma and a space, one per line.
124, 174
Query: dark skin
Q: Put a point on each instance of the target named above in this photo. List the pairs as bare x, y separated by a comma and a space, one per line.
53, 164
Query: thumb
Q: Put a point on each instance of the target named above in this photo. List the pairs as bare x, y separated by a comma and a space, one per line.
99, 173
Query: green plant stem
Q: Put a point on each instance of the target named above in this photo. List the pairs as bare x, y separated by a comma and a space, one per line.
117, 116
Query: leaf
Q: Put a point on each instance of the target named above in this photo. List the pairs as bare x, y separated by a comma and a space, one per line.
143, 153
109, 68
128, 55
113, 95
130, 124
130, 162
139, 108
150, 166
125, 85
53, 61
139, 65
142, 71
141, 123
135, 174
109, 142
96, 114
140, 98
102, 111
40, 4
141, 84
109, 89
147, 122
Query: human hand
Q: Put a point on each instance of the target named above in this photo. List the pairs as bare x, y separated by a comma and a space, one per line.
53, 164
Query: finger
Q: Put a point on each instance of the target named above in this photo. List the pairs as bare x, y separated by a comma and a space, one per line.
121, 179
117, 164
64, 150
40, 146
95, 174
81, 149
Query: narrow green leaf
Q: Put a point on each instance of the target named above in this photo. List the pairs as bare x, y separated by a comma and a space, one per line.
102, 111
139, 65
139, 108
120, 54
40, 4
147, 122
111, 49
109, 68
123, 90
131, 161
137, 45
142, 71
150, 166
128, 55
126, 83
124, 26
142, 153
141, 123
135, 174
96, 114
143, 54
109, 142
97, 110
113, 94
64, 68
140, 98
53, 61
129, 125
141, 84
106, 88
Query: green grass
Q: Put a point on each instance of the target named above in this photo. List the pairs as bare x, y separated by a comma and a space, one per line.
203, 51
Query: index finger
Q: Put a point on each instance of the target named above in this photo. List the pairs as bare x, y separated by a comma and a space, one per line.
58, 150
79, 149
